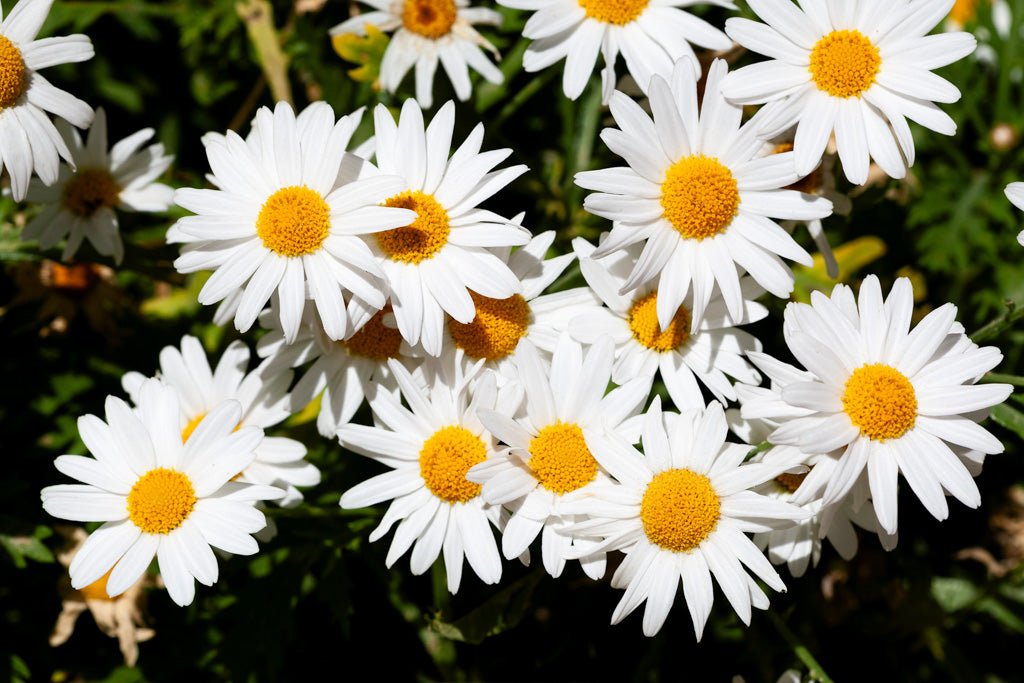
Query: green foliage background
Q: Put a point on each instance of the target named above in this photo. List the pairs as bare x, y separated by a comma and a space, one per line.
318, 597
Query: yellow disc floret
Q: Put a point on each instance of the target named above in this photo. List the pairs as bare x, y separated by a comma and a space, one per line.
161, 500
560, 458
424, 237
962, 12
619, 12
444, 460
679, 509
13, 77
845, 63
90, 190
790, 482
699, 197
880, 401
97, 590
375, 340
643, 322
191, 426
497, 328
429, 18
294, 221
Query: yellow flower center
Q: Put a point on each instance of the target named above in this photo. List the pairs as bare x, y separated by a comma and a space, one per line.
89, 190
76, 278
375, 340
560, 459
699, 197
12, 73
294, 221
679, 509
430, 18
97, 590
424, 237
618, 12
881, 401
497, 328
161, 500
844, 63
790, 482
643, 321
444, 460
191, 426
963, 11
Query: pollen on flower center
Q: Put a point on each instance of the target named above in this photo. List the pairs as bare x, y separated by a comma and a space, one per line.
881, 401
497, 328
845, 63
811, 182
294, 221
699, 197
643, 321
560, 458
90, 190
13, 77
444, 460
429, 18
618, 12
161, 500
97, 590
375, 340
679, 509
422, 239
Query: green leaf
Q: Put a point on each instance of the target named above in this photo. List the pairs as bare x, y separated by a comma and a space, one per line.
500, 613
1008, 417
953, 593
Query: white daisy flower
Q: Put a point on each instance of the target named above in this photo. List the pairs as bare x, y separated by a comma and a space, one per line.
696, 191
431, 263
81, 202
889, 399
500, 324
567, 415
343, 373
1015, 193
860, 68
651, 34
157, 496
280, 223
681, 511
28, 139
426, 32
711, 355
430, 448
263, 395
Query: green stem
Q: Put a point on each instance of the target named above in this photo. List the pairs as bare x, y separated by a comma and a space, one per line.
995, 327
801, 651
520, 98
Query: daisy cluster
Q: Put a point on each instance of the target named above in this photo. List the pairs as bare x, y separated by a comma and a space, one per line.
511, 415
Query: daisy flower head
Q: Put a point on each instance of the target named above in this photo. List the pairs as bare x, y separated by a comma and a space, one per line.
427, 32
28, 138
888, 399
262, 394
550, 448
280, 224
81, 203
499, 326
1015, 193
343, 373
430, 447
699, 196
432, 261
681, 511
685, 359
157, 496
650, 34
860, 68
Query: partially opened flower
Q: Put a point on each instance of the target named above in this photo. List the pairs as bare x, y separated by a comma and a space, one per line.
681, 511
427, 32
158, 497
28, 138
80, 205
286, 220
858, 67
698, 196
889, 399
429, 449
262, 394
